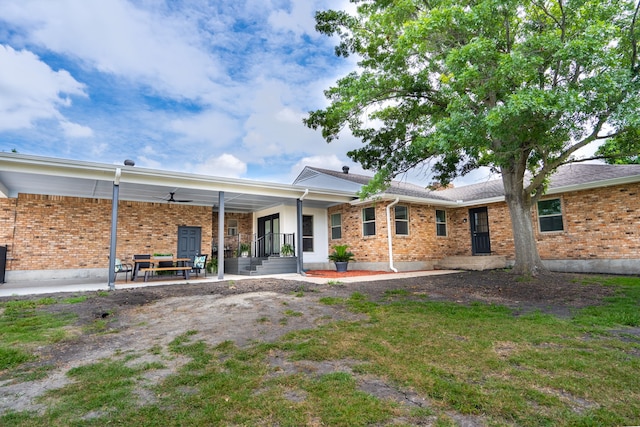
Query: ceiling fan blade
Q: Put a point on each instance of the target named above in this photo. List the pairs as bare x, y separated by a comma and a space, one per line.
171, 199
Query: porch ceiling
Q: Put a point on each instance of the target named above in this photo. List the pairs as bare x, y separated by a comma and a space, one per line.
48, 176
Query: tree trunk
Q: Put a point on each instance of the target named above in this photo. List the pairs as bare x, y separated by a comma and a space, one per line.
528, 262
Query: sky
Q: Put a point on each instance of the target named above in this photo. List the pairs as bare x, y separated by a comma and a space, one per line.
210, 87
216, 87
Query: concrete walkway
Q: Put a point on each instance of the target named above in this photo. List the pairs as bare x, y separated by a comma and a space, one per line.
81, 285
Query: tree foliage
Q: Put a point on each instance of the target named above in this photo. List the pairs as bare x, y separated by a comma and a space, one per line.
518, 86
622, 150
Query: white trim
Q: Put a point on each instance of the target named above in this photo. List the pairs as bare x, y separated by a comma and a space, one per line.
389, 235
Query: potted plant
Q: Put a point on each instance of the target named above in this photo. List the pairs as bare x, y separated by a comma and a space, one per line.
286, 249
212, 265
341, 257
244, 249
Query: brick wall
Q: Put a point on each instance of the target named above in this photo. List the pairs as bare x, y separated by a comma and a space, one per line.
245, 229
421, 244
598, 224
51, 232
499, 231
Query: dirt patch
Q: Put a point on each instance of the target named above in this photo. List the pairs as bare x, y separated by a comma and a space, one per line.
261, 310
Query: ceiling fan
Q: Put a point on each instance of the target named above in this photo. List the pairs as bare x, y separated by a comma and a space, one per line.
171, 198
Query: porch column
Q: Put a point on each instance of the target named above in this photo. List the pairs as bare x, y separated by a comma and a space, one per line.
114, 227
221, 235
299, 269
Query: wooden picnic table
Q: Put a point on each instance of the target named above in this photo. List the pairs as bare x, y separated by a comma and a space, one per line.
178, 264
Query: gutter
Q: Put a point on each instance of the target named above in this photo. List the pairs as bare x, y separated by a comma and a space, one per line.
389, 206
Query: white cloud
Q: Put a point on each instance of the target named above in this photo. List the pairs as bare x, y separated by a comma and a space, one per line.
275, 125
215, 128
118, 38
331, 162
299, 20
74, 130
145, 162
225, 165
98, 150
30, 90
207, 87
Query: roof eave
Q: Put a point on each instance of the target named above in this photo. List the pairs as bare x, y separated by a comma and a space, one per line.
406, 199
595, 184
12, 162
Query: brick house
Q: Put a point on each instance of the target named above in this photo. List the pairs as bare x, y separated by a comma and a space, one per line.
57, 219
588, 221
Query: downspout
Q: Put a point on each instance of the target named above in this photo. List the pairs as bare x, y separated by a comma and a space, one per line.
299, 268
389, 237
114, 228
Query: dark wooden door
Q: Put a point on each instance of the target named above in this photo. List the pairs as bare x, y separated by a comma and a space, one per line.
480, 242
189, 241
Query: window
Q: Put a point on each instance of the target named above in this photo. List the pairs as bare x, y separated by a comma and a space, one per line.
336, 226
550, 215
232, 227
369, 221
441, 223
307, 233
402, 220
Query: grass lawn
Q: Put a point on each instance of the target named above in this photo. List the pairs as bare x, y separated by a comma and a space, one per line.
409, 363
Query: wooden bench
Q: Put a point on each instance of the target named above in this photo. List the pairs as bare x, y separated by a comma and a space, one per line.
148, 270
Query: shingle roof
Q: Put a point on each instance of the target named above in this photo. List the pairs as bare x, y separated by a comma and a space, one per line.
397, 187
575, 174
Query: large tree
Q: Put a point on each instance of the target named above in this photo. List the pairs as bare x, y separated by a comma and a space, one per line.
518, 86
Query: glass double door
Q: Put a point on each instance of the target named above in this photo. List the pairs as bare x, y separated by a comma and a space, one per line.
268, 235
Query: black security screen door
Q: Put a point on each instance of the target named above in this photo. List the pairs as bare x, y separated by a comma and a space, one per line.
480, 242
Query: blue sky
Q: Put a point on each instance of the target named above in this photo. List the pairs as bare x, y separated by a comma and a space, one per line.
216, 87
212, 87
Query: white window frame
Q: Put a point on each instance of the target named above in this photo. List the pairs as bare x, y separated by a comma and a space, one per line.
232, 227
540, 216
440, 223
366, 222
404, 220
338, 227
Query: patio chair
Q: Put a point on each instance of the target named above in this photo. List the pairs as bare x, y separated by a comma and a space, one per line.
123, 267
140, 265
200, 263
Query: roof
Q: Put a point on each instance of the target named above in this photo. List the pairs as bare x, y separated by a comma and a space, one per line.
571, 177
320, 188
61, 177
397, 187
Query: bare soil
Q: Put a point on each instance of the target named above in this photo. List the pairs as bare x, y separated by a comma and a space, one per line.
257, 309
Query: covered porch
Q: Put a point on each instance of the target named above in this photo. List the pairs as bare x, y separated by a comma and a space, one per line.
114, 211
